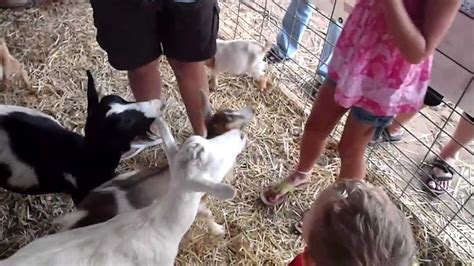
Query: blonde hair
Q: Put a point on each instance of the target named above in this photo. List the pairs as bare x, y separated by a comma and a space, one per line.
360, 225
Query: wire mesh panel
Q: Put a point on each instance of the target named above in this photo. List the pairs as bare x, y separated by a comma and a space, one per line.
404, 167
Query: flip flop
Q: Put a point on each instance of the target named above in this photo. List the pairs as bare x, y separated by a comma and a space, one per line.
385, 136
448, 174
283, 188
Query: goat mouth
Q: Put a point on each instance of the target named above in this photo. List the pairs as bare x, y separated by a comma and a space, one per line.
147, 137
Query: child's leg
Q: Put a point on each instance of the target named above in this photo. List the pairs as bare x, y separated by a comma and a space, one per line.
145, 82
442, 174
324, 116
394, 132
358, 132
188, 44
191, 78
396, 128
130, 38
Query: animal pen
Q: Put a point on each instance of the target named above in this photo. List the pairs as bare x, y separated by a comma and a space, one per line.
57, 44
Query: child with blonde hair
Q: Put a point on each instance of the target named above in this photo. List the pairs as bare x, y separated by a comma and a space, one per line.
354, 223
380, 67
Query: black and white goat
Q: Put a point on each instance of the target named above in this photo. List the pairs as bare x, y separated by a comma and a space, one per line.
39, 156
149, 236
138, 189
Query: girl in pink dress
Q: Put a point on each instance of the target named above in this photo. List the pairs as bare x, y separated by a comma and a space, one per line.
380, 67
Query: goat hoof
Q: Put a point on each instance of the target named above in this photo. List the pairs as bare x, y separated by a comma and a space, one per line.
217, 230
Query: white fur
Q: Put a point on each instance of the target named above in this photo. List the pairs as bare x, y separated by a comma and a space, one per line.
7, 109
70, 219
239, 57
71, 179
149, 236
157, 184
150, 109
23, 175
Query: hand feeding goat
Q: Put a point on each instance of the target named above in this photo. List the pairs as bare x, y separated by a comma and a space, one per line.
149, 236
39, 156
239, 57
10, 67
138, 189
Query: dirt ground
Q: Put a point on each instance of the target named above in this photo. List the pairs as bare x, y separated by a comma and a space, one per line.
57, 44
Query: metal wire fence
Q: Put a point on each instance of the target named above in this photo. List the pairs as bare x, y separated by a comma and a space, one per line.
403, 167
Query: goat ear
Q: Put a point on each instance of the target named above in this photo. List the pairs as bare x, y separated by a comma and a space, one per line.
240, 118
169, 141
218, 190
92, 95
206, 106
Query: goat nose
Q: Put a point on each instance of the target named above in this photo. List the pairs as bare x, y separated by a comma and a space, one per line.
242, 137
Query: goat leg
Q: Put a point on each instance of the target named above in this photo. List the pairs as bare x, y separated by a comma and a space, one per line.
25, 78
11, 67
214, 82
213, 227
262, 83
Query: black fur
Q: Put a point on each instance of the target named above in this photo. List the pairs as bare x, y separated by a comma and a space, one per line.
98, 212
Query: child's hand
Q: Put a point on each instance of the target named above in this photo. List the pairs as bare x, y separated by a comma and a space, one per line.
417, 44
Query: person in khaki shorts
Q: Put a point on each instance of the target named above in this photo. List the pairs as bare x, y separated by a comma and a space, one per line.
135, 33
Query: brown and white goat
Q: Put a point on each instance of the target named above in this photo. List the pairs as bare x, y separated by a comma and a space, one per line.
149, 236
139, 189
10, 67
239, 57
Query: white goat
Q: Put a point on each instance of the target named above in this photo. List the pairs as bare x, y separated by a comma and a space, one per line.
239, 57
149, 236
139, 189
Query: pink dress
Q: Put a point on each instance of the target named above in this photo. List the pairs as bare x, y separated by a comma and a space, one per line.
369, 69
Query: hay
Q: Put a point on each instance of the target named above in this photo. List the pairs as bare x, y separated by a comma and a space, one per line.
57, 44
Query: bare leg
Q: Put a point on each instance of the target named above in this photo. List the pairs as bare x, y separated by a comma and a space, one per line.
214, 82
463, 134
145, 82
324, 116
400, 120
352, 146
191, 78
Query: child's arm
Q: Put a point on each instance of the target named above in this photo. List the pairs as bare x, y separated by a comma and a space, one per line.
417, 44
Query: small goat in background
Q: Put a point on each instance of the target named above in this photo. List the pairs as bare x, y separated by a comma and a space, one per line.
149, 236
139, 189
39, 156
10, 67
239, 57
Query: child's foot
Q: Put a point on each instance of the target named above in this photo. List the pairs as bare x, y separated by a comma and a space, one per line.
273, 57
276, 193
441, 177
386, 136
